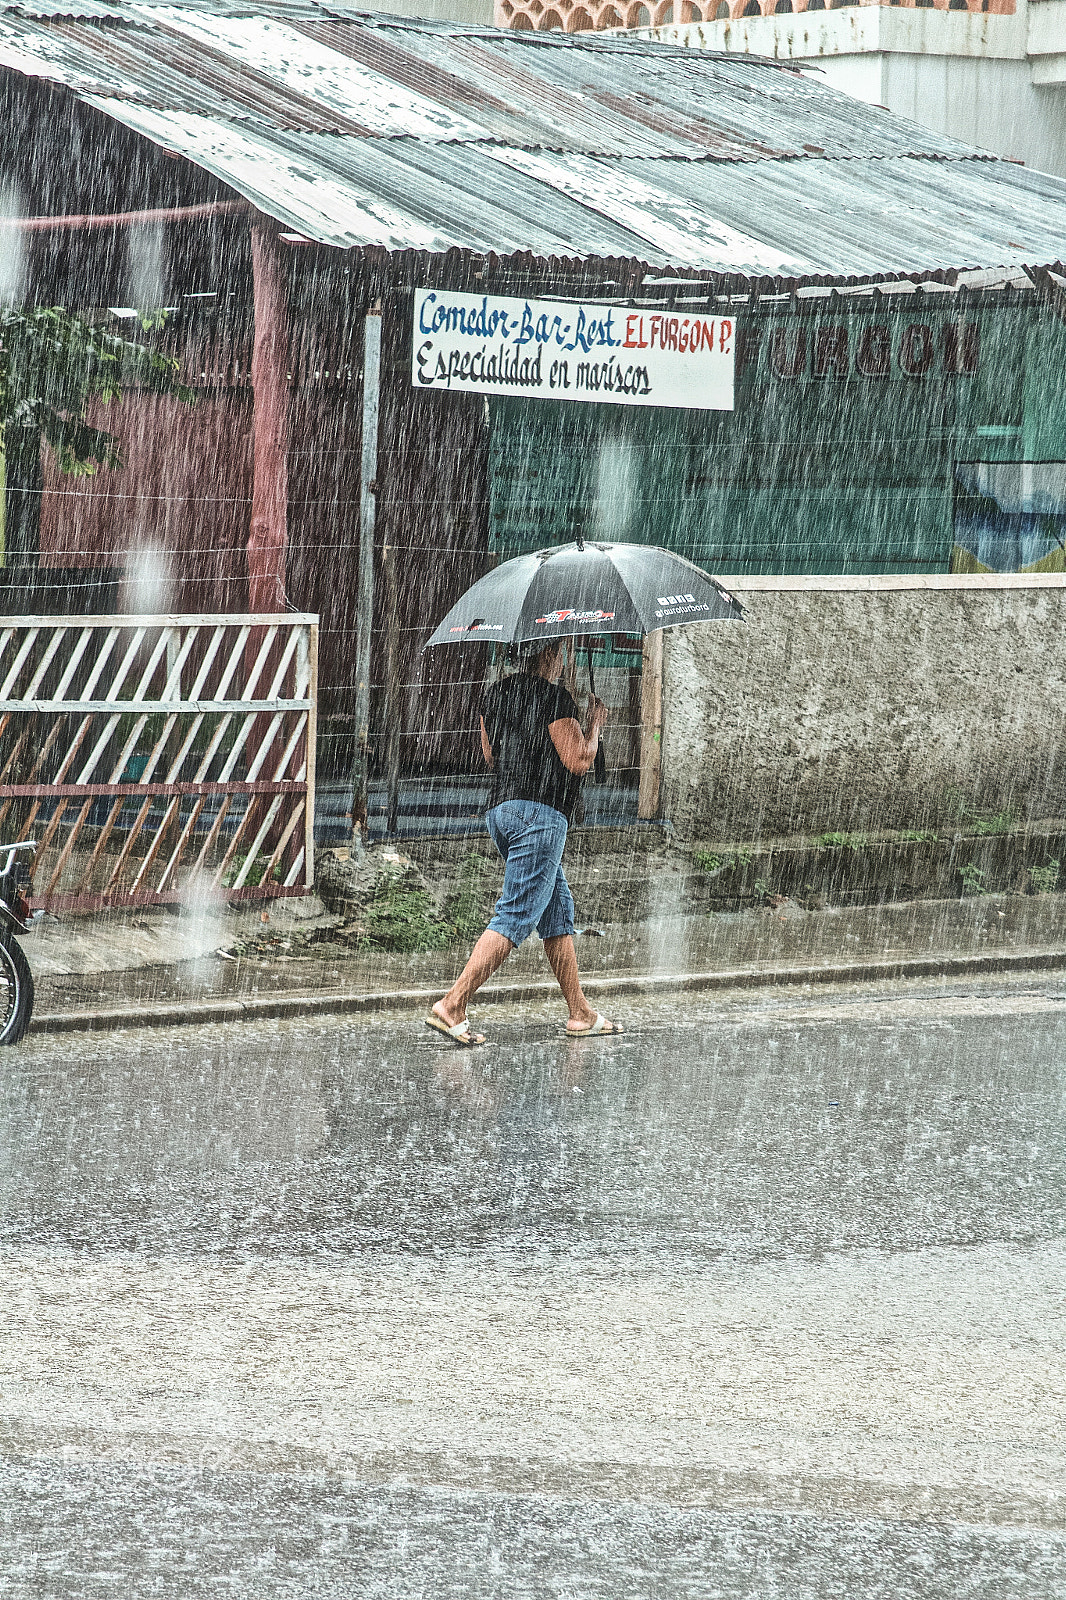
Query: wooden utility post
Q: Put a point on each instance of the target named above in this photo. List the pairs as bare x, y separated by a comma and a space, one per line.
268, 530
651, 726
268, 535
364, 620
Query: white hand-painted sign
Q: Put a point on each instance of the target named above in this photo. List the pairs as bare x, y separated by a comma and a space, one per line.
570, 350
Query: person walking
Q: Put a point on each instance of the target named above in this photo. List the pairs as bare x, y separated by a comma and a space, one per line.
539, 752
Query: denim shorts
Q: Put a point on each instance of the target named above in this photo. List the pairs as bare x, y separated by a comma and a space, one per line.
530, 838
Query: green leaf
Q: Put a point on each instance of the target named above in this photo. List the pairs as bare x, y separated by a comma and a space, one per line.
53, 364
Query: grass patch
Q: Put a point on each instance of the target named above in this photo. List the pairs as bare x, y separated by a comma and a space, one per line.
843, 841
255, 874
468, 908
401, 917
917, 836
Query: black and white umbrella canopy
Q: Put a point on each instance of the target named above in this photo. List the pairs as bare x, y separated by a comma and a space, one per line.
585, 588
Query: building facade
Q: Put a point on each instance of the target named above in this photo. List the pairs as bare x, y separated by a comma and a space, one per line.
891, 384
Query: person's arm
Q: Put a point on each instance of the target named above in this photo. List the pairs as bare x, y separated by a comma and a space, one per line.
576, 747
486, 748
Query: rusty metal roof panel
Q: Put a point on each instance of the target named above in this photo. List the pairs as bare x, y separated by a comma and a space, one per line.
275, 52
359, 131
402, 194
775, 218
48, 10
736, 108
394, 79
514, 106
866, 219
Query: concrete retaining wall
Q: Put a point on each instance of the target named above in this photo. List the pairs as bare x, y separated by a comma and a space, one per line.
863, 704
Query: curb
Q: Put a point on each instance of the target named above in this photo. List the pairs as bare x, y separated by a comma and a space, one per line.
280, 1007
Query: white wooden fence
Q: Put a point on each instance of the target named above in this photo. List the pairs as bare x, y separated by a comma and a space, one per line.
160, 758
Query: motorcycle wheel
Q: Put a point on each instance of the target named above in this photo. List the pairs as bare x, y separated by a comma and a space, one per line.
16, 991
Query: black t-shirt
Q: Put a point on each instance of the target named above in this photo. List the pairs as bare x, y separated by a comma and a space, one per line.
518, 712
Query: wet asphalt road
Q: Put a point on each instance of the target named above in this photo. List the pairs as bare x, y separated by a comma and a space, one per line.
766, 1299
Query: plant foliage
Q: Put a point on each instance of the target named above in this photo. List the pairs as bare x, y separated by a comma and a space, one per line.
709, 862
973, 880
53, 364
843, 841
401, 916
1045, 880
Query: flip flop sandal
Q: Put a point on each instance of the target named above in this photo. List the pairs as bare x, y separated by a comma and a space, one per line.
461, 1034
601, 1026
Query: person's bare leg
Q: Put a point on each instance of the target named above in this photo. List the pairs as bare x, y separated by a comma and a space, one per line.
563, 959
490, 952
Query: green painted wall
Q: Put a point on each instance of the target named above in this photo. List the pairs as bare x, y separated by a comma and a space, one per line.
838, 457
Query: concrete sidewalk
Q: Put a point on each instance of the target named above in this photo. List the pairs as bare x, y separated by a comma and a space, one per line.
153, 969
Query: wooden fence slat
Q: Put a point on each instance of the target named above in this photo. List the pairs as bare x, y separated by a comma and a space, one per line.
120, 676
132, 836
235, 657
160, 749
266, 745
207, 663
213, 833
45, 662
101, 844
65, 853
102, 659
16, 748
175, 669
297, 734
231, 850
253, 851
283, 667
74, 662
157, 842
279, 848
260, 661
294, 870
183, 839
120, 707
98, 748
39, 760
20, 656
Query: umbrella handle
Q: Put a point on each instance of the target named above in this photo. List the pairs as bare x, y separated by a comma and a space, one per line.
599, 765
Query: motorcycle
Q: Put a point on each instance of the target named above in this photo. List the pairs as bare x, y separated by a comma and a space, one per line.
16, 980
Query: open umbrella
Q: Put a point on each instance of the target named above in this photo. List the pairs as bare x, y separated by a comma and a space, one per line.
573, 590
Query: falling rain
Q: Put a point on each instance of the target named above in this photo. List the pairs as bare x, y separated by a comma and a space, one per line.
550, 525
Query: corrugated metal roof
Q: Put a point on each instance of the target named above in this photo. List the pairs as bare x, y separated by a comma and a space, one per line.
375, 131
